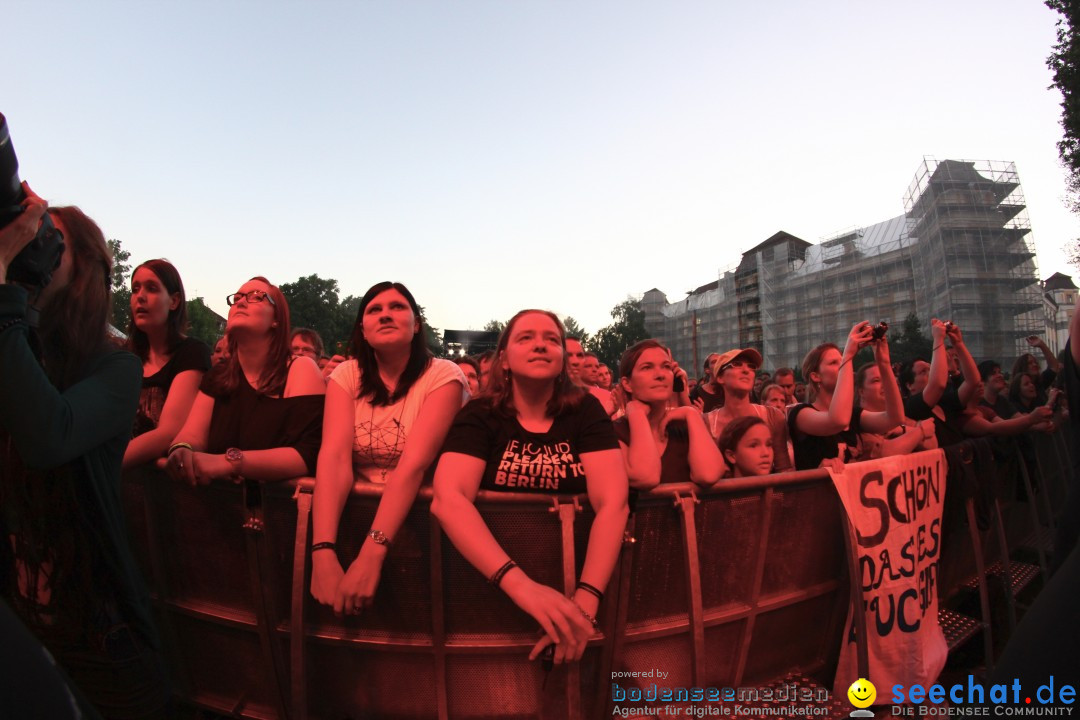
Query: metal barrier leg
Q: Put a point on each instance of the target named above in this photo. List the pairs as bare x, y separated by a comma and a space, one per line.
567, 513
984, 594
438, 620
297, 626
693, 586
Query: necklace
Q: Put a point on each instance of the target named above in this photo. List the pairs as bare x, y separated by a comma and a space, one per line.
383, 445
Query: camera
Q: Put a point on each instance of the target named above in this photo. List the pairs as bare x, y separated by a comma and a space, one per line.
34, 265
880, 329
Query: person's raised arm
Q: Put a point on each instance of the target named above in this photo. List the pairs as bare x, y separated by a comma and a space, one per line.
939, 365
641, 455
1051, 360
978, 426
883, 422
152, 444
968, 368
457, 480
403, 482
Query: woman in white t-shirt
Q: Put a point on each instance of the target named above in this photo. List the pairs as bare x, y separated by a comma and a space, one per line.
387, 411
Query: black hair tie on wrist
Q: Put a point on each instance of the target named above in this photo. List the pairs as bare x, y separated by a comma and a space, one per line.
501, 572
592, 590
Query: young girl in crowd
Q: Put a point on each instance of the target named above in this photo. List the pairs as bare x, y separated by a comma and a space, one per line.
1023, 392
658, 444
903, 439
826, 429
258, 413
747, 445
387, 412
173, 364
530, 400
735, 375
68, 402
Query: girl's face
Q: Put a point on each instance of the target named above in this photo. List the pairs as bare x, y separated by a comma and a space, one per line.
249, 315
921, 372
651, 379
872, 392
775, 398
754, 453
389, 320
829, 368
471, 378
1027, 389
151, 302
534, 349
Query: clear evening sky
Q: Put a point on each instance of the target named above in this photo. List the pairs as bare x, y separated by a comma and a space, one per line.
501, 155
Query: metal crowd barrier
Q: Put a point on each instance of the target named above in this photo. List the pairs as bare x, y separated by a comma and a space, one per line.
740, 585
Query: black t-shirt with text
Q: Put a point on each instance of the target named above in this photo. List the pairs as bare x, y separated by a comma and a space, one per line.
522, 461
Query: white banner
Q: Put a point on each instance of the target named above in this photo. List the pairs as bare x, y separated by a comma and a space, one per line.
895, 509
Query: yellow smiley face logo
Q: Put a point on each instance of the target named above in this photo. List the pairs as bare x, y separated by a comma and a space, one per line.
862, 693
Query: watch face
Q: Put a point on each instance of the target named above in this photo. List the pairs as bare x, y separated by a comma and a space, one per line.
234, 455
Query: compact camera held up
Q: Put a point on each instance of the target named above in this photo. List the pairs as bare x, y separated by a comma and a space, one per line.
34, 265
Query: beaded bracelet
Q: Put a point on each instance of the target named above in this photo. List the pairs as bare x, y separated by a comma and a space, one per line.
501, 572
11, 323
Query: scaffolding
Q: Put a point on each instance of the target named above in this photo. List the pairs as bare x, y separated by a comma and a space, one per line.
976, 262
961, 251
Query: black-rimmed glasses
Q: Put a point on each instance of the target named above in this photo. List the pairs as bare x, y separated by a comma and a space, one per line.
252, 296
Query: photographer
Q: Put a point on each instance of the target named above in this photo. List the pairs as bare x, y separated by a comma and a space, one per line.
67, 402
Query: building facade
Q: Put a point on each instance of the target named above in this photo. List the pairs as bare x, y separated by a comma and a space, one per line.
1059, 303
961, 251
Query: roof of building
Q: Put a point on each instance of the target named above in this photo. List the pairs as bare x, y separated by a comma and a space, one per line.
705, 288
1059, 281
776, 239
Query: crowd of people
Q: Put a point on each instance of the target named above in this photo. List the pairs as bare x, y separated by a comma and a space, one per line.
538, 414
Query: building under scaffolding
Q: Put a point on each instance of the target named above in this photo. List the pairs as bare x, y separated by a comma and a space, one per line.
962, 250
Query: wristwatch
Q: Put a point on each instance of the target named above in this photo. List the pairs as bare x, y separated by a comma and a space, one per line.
236, 457
379, 537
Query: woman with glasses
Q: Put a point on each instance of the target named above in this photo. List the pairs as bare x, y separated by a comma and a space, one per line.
387, 411
258, 413
173, 364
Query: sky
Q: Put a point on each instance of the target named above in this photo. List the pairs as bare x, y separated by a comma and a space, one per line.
495, 156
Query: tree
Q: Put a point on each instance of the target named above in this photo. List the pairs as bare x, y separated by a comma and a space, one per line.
495, 326
1064, 63
203, 323
121, 300
313, 303
431, 336
911, 342
628, 328
575, 330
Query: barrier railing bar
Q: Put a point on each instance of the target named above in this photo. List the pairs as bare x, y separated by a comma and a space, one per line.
261, 586
621, 579
1006, 565
858, 612
766, 499
984, 595
1033, 509
438, 619
299, 588
692, 566
567, 510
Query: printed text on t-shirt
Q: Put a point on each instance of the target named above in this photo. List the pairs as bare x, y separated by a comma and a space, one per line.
534, 466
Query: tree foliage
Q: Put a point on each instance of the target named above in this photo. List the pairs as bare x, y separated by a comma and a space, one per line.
495, 326
911, 342
314, 303
629, 327
1064, 63
575, 330
203, 323
121, 299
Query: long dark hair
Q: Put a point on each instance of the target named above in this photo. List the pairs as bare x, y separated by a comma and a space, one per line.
56, 538
371, 385
224, 378
812, 363
176, 323
499, 391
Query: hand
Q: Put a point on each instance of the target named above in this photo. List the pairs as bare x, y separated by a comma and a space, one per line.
1040, 414
196, 468
326, 576
929, 434
332, 363
881, 353
937, 331
683, 412
1035, 341
19, 233
861, 333
955, 336
635, 406
699, 403
356, 592
560, 618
